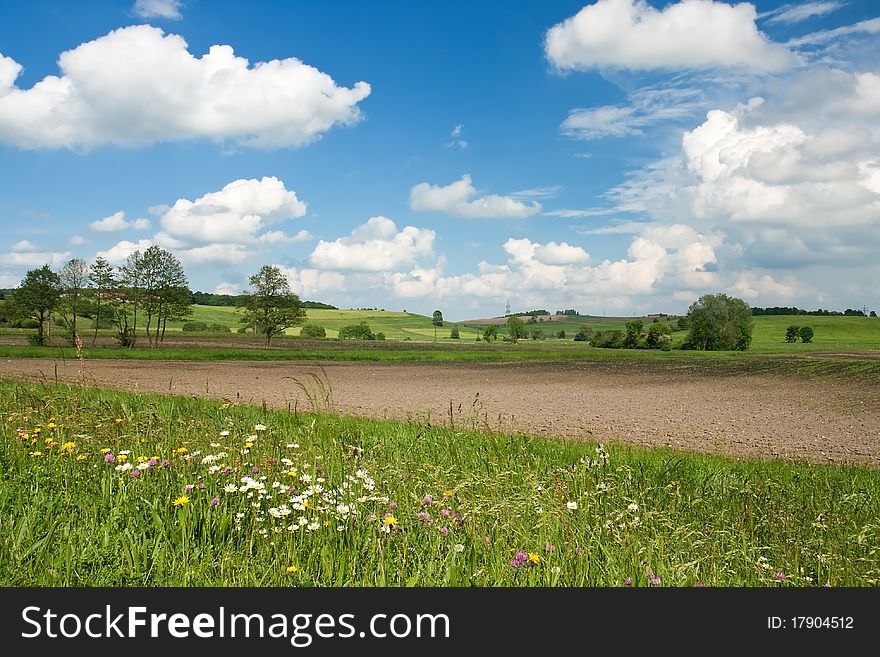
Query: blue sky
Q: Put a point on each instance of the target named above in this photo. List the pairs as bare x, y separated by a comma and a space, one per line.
617, 156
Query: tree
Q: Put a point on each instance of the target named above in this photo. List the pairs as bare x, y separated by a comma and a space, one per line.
584, 334
74, 278
437, 321
490, 333
271, 307
36, 297
166, 291
102, 280
633, 333
357, 332
806, 334
561, 335
453, 333
658, 336
719, 322
516, 328
792, 333
127, 298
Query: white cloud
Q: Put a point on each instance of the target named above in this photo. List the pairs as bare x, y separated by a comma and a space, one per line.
375, 246
801, 12
309, 283
560, 254
276, 237
691, 34
136, 86
228, 288
78, 240
32, 259
870, 26
169, 9
457, 140
23, 247
214, 253
752, 286
117, 222
117, 254
460, 199
236, 214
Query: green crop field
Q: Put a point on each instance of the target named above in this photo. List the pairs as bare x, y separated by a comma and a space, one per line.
116, 489
830, 333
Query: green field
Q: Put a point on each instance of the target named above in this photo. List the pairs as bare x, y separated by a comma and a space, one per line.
400, 504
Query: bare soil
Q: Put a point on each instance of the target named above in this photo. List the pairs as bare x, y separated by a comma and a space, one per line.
764, 415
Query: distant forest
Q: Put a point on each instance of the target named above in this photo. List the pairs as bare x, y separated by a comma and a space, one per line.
790, 310
209, 299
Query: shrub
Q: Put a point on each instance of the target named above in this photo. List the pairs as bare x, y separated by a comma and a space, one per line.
453, 333
633, 333
356, 332
608, 339
218, 328
658, 336
719, 322
195, 327
37, 340
806, 334
792, 333
379, 336
584, 334
561, 335
313, 331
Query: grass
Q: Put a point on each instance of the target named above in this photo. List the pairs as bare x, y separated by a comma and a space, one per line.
70, 517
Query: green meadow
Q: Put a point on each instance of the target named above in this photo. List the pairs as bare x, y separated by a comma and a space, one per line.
117, 489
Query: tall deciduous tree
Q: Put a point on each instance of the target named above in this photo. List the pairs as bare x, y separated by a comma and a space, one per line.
37, 296
719, 322
103, 281
516, 328
270, 306
166, 293
74, 280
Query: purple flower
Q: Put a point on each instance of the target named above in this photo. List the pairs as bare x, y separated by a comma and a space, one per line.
318, 468
520, 559
201, 486
392, 506
227, 470
188, 488
214, 501
152, 463
779, 576
427, 500
458, 518
109, 458
165, 463
699, 585
255, 470
628, 581
444, 531
549, 547
135, 474
445, 513
653, 579
425, 518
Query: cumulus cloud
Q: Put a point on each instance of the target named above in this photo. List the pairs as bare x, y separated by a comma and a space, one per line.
24, 246
228, 288
117, 254
78, 240
237, 214
309, 283
117, 222
169, 9
375, 246
460, 199
136, 86
691, 34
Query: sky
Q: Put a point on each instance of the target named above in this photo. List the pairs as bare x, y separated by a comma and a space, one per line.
619, 157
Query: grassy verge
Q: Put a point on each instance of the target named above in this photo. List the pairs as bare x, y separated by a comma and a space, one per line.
363, 503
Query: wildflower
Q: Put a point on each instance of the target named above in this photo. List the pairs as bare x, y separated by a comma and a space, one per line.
118, 422
445, 513
427, 500
51, 425
255, 470
654, 579
80, 457
779, 576
389, 522
444, 531
181, 501
628, 581
572, 506
259, 427
520, 559
122, 458
135, 473
224, 433
458, 518
181, 450
425, 518
123, 467
343, 509
165, 463
291, 570
152, 462
459, 547
534, 558
37, 430
249, 444
448, 493
36, 454
214, 501
633, 507
125, 452
313, 526
392, 505
230, 488
318, 468
549, 547
188, 488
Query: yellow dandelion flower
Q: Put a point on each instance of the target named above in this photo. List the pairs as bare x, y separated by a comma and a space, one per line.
105, 450
182, 500
181, 450
25, 436
122, 458
534, 558
80, 457
327, 523
390, 520
291, 570
248, 445
37, 429
68, 446
118, 421
449, 493
51, 425
292, 473
142, 459
36, 454
49, 442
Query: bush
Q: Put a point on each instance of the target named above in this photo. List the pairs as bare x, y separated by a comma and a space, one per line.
584, 334
379, 336
242, 330
608, 339
36, 340
453, 333
195, 327
792, 333
633, 333
313, 331
126, 337
659, 336
561, 335
357, 332
806, 334
24, 323
218, 328
719, 323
